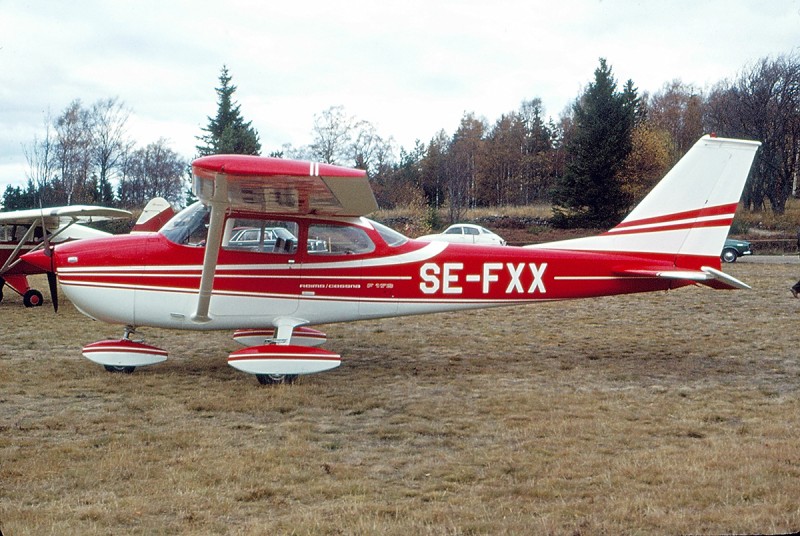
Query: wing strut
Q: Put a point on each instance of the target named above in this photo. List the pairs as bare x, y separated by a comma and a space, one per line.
12, 259
219, 204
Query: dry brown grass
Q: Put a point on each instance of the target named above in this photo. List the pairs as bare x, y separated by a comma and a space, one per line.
769, 221
652, 414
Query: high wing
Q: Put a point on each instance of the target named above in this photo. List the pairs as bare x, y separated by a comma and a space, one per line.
273, 185
55, 217
283, 186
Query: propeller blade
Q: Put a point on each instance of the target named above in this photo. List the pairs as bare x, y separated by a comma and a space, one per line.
52, 280
53, 283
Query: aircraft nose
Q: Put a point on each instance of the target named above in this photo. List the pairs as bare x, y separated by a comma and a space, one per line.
40, 259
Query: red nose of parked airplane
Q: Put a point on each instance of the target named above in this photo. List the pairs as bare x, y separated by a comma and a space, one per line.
39, 259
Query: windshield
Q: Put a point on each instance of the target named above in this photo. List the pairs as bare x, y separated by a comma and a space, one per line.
390, 236
189, 226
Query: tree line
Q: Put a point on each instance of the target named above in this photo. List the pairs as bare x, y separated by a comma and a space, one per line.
85, 156
602, 154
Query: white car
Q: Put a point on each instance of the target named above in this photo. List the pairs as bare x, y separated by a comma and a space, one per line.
466, 233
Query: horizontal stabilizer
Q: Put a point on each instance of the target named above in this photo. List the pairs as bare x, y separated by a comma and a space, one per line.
724, 278
706, 275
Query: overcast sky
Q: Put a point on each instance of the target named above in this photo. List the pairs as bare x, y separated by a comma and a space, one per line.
411, 68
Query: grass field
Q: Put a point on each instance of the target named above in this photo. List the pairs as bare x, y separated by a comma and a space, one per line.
660, 413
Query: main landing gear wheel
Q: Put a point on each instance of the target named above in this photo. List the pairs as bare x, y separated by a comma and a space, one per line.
32, 298
119, 369
273, 379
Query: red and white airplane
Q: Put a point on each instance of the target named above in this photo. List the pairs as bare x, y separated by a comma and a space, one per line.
275, 246
22, 231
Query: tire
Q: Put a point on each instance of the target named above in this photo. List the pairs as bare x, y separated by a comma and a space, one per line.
119, 369
729, 255
274, 379
32, 298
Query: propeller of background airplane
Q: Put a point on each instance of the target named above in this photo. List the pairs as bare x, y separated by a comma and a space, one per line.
52, 281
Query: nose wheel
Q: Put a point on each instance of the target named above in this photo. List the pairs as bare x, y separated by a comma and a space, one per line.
123, 355
118, 369
274, 379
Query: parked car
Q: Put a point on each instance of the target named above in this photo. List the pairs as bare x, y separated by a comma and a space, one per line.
733, 249
466, 233
250, 238
286, 242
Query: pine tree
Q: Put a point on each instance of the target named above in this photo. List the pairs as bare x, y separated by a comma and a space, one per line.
227, 133
590, 193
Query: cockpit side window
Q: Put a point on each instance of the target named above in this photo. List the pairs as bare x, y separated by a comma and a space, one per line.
334, 239
262, 236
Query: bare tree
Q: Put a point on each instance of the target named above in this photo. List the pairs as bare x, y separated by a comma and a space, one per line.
40, 155
370, 151
677, 109
111, 144
764, 104
154, 171
333, 136
73, 153
462, 170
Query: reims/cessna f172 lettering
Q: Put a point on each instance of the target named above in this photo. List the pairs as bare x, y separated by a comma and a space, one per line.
276, 246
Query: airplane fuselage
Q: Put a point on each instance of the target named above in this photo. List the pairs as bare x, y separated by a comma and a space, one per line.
274, 246
150, 280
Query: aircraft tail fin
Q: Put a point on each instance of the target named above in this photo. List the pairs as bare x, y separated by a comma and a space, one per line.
687, 215
156, 213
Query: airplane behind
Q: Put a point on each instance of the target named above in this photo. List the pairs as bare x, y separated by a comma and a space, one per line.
23, 231
276, 246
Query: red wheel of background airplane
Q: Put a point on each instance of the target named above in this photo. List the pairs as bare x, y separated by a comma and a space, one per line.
32, 298
273, 379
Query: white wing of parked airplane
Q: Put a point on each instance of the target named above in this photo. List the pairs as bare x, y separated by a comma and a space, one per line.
55, 217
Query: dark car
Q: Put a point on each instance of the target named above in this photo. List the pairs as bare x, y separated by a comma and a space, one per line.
733, 249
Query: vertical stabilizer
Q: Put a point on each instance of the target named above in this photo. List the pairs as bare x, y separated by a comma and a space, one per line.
156, 213
689, 212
